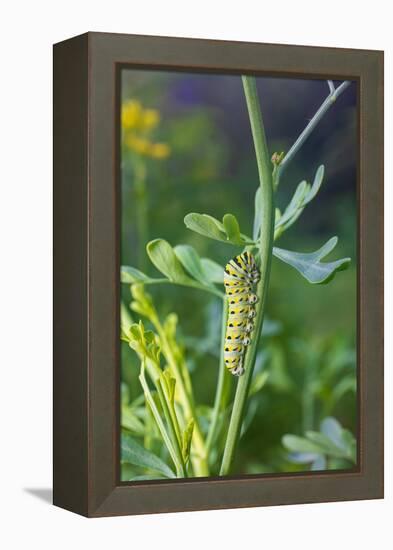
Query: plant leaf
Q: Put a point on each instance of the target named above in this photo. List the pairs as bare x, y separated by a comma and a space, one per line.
186, 440
165, 260
298, 444
133, 453
303, 458
131, 275
309, 264
319, 464
210, 227
304, 194
294, 205
213, 271
318, 179
191, 262
332, 429
130, 421
232, 229
327, 444
206, 225
170, 382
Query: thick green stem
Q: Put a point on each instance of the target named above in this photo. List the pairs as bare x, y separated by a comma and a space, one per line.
265, 252
219, 404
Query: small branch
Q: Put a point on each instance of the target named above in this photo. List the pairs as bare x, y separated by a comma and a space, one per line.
331, 86
265, 252
331, 98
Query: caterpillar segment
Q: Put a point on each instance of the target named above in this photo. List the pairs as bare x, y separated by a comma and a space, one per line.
241, 274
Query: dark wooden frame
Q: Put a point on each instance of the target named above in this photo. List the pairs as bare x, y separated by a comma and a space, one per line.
86, 274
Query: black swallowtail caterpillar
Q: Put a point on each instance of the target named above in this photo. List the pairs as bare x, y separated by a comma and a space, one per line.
241, 274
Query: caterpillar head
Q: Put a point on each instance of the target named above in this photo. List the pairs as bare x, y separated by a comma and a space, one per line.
252, 298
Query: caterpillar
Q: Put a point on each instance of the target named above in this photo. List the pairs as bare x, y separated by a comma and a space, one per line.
240, 276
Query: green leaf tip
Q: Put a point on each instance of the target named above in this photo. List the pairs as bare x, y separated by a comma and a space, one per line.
131, 275
165, 260
331, 441
227, 232
309, 264
303, 195
205, 225
191, 261
133, 453
232, 229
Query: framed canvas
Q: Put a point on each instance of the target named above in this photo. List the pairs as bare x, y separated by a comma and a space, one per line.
208, 353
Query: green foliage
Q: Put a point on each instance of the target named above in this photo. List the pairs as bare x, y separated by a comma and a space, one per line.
227, 232
195, 265
213, 272
171, 401
168, 429
165, 260
304, 194
332, 443
177, 264
130, 275
135, 454
309, 264
232, 229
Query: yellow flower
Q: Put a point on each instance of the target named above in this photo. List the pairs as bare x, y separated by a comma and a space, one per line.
159, 150
150, 119
138, 144
131, 113
137, 124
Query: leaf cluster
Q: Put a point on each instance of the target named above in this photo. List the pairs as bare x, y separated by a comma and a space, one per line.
332, 444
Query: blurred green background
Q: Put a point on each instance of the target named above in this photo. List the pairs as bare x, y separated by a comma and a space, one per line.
193, 152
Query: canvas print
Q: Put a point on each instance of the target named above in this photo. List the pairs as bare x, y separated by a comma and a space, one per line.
238, 275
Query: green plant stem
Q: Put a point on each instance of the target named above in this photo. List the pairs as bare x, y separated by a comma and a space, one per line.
334, 93
176, 457
199, 460
265, 252
219, 404
141, 211
173, 427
